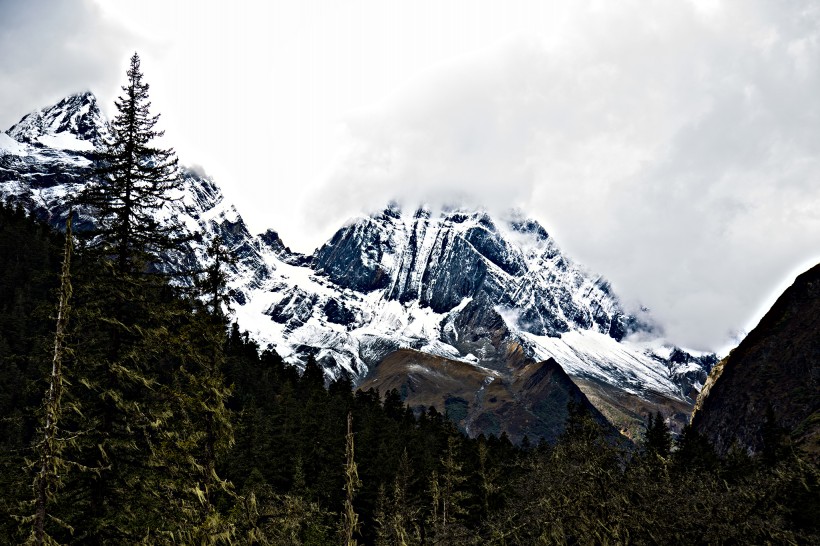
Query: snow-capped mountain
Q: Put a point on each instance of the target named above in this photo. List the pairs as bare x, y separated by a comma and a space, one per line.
496, 293
47, 158
461, 285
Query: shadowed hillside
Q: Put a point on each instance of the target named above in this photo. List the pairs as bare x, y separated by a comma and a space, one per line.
775, 370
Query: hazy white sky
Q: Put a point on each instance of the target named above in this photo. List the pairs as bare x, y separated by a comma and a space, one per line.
672, 146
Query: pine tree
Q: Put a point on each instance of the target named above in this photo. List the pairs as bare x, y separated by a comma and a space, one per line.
30, 260
775, 439
133, 355
218, 429
395, 516
658, 438
203, 430
212, 282
573, 493
694, 453
448, 495
133, 181
489, 477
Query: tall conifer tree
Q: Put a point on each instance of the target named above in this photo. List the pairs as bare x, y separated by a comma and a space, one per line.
202, 395
350, 519
134, 180
658, 438
130, 327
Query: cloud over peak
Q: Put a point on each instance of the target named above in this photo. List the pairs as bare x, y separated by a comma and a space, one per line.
673, 147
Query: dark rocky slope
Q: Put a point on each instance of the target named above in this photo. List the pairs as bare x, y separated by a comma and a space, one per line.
777, 366
531, 400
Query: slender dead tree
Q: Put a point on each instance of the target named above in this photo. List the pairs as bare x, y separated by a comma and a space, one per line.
350, 519
50, 463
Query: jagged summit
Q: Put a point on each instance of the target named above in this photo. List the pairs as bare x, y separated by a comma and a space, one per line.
44, 164
74, 123
439, 260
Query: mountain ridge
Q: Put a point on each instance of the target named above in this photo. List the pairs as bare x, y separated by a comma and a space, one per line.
458, 284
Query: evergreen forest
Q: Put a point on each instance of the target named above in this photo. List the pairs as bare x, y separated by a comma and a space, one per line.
132, 411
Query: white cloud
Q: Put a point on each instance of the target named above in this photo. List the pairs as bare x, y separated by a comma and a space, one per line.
671, 146
51, 48
674, 150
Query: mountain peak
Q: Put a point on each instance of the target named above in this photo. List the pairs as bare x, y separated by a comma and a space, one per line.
73, 123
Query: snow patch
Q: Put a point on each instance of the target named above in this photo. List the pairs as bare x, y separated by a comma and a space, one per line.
593, 355
65, 141
10, 146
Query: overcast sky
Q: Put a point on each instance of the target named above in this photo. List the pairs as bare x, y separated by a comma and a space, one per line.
672, 146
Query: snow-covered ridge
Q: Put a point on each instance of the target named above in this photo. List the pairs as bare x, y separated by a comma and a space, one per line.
456, 283
45, 163
446, 284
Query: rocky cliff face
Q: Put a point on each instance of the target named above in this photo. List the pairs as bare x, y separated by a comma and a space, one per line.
457, 284
439, 261
777, 366
462, 285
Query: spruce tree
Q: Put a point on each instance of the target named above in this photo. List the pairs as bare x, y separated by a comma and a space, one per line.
775, 439
133, 181
448, 496
212, 282
30, 258
395, 516
694, 453
658, 438
489, 478
202, 395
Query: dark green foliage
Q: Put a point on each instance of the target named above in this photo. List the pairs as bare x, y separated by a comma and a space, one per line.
50, 464
30, 259
145, 366
775, 439
571, 493
694, 453
143, 354
349, 524
185, 433
658, 442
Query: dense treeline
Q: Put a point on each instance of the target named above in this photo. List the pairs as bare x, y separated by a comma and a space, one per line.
132, 413
422, 482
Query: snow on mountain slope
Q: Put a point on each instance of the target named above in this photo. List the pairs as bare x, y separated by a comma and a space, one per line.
446, 285
47, 158
454, 283
9, 146
593, 355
